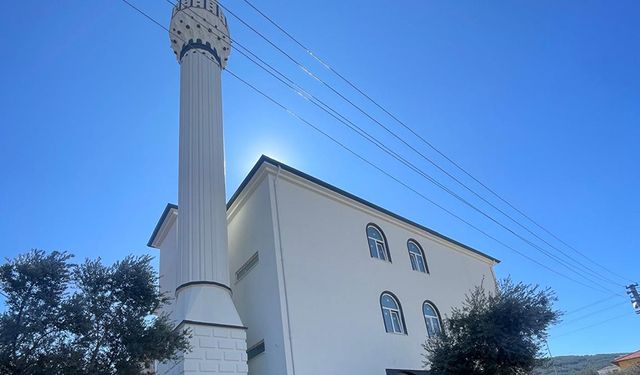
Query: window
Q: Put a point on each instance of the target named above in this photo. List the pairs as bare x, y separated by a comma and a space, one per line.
431, 319
416, 256
392, 314
377, 243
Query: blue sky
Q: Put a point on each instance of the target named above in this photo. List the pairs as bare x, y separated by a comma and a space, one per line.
538, 99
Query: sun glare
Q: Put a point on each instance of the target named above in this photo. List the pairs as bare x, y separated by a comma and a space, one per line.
273, 148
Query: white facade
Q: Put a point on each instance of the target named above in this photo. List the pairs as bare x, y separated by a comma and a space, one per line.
308, 289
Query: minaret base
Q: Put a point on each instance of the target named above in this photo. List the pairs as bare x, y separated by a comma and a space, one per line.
205, 303
214, 349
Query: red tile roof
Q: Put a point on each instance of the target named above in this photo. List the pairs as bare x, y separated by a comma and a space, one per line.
627, 357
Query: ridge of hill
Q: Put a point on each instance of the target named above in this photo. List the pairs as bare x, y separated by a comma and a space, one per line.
576, 364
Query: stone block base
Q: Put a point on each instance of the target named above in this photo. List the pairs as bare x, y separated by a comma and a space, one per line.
214, 350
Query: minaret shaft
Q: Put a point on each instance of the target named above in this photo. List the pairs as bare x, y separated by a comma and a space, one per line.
202, 223
203, 304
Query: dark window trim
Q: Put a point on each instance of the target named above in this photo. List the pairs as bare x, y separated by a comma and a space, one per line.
384, 237
404, 324
426, 265
434, 307
437, 313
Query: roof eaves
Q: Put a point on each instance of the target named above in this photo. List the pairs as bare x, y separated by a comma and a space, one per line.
165, 213
265, 159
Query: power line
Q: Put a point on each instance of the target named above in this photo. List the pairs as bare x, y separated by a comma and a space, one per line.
290, 111
346, 148
592, 304
299, 64
593, 325
361, 132
589, 315
350, 83
373, 165
407, 127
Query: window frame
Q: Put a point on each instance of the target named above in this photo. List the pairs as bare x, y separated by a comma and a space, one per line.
399, 312
411, 254
436, 317
384, 243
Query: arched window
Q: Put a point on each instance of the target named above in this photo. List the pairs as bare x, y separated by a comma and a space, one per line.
431, 319
416, 255
392, 314
377, 243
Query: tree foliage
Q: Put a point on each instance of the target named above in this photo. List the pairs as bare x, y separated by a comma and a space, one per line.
90, 318
494, 333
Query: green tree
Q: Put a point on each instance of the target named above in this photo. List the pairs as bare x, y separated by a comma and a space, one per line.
494, 333
62, 318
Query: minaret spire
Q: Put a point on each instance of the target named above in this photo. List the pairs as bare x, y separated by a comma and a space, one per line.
200, 40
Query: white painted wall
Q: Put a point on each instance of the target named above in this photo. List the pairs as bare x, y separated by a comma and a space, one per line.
166, 242
168, 259
334, 286
256, 296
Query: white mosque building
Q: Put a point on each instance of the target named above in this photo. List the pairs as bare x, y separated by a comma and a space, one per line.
292, 276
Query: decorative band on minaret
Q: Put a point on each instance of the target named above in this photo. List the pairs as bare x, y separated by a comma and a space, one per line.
200, 39
200, 25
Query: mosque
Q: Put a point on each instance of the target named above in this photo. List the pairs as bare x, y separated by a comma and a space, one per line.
292, 275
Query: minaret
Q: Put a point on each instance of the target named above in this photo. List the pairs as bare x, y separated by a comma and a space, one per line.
199, 37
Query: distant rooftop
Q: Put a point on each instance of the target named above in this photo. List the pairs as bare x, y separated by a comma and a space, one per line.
626, 357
